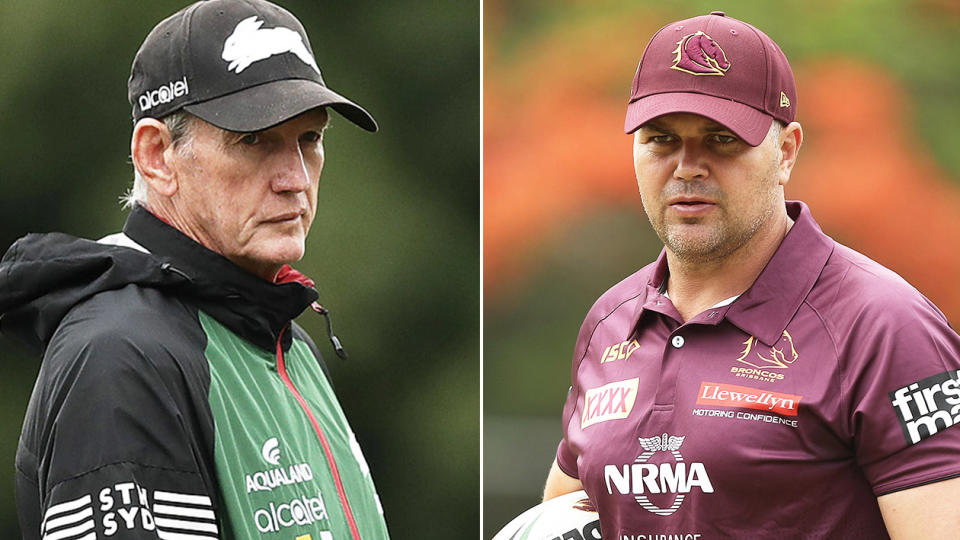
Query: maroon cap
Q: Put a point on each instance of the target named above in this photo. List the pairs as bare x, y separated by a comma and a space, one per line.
717, 67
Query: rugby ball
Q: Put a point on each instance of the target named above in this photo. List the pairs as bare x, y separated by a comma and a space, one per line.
567, 516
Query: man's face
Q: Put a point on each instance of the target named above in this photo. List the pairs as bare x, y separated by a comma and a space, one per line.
705, 191
251, 196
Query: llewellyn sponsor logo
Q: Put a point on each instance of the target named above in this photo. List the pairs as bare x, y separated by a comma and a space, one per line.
611, 401
928, 406
165, 94
642, 479
731, 395
620, 351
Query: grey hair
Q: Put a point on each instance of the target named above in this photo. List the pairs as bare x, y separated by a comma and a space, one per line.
777, 126
178, 124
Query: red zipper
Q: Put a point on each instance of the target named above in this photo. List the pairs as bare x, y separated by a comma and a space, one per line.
282, 369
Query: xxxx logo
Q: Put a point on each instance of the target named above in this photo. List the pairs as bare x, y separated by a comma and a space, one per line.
611, 401
620, 351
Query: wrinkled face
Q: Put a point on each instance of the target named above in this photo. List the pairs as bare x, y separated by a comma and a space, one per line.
252, 196
706, 192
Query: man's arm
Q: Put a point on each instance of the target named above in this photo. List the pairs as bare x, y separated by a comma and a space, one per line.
928, 511
117, 442
559, 483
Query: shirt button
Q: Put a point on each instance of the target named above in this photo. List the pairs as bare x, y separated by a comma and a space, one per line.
677, 341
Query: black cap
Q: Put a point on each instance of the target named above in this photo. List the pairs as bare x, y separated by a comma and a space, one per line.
241, 65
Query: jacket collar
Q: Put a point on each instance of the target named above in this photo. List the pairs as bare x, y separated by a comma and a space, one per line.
256, 309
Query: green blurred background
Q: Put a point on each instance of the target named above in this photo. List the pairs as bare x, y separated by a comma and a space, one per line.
394, 248
879, 99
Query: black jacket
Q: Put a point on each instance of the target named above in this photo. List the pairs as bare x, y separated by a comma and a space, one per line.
154, 360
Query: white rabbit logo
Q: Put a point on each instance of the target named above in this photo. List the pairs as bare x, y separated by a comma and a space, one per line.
249, 43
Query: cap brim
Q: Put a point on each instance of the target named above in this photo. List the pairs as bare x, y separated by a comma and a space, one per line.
746, 122
266, 105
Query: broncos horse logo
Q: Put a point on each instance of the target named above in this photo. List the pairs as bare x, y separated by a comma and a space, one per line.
780, 357
699, 54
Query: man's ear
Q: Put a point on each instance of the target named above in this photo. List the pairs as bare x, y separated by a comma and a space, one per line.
151, 149
791, 138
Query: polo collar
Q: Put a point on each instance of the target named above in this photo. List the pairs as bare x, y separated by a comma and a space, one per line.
767, 307
653, 298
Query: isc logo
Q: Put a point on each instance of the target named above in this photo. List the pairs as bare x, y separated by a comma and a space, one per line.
620, 351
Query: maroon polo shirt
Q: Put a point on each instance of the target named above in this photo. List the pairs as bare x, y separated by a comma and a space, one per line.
784, 414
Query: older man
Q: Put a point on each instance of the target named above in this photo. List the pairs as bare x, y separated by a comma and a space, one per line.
759, 380
176, 398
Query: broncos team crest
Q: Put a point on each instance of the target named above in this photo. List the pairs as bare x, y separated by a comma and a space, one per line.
780, 357
699, 54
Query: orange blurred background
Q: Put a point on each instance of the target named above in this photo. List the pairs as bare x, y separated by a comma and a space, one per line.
554, 151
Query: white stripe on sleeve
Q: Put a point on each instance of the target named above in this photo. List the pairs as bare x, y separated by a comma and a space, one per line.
196, 526
71, 532
167, 496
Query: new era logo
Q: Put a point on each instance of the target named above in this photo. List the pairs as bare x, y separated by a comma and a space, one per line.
784, 100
